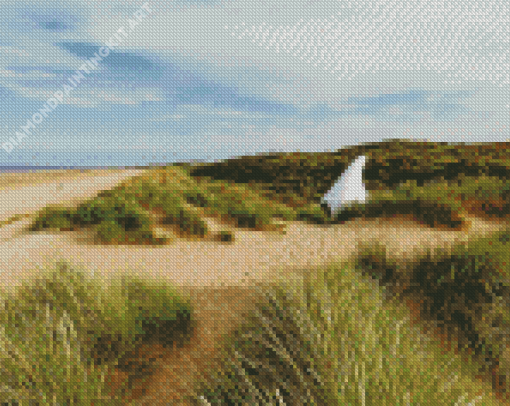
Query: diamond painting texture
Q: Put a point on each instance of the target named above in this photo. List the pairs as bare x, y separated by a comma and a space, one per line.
228, 202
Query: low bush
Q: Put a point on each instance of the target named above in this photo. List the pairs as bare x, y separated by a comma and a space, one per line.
246, 218
314, 214
195, 198
188, 222
54, 217
161, 318
225, 236
119, 208
427, 212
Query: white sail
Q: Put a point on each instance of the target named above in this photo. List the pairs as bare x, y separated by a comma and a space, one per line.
348, 188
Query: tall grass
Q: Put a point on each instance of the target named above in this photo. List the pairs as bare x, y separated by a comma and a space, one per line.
62, 336
272, 359
340, 335
346, 329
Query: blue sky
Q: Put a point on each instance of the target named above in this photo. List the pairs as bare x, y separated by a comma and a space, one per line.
215, 79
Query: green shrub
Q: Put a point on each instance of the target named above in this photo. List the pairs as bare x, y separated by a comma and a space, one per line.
112, 232
169, 201
161, 316
492, 193
313, 214
109, 231
245, 218
430, 213
94, 212
221, 203
54, 217
150, 192
230, 205
125, 211
225, 236
195, 198
287, 213
350, 212
188, 222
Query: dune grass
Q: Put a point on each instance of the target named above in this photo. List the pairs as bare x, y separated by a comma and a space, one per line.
343, 336
169, 197
465, 292
60, 336
130, 212
437, 203
352, 341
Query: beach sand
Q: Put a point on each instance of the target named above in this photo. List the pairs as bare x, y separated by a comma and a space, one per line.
219, 277
10, 180
28, 192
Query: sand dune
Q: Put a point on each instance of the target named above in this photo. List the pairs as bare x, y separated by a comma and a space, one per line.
254, 256
218, 276
29, 192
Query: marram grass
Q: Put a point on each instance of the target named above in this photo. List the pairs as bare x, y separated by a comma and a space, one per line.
338, 338
51, 335
332, 338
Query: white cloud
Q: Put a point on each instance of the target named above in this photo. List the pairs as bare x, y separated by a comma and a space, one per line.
87, 97
404, 36
35, 74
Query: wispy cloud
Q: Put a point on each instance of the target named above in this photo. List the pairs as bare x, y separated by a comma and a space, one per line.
230, 77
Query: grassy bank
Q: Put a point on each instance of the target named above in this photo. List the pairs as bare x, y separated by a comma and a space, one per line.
344, 335
62, 336
168, 198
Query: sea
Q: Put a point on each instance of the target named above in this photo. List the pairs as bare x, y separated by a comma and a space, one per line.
64, 161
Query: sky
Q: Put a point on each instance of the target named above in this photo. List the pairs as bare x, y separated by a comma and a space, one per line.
217, 79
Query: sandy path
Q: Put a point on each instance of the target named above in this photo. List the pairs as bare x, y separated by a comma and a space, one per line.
31, 192
255, 255
218, 276
9, 181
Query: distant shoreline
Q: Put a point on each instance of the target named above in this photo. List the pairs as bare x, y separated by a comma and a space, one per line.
35, 169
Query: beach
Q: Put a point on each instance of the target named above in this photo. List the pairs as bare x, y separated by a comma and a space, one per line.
254, 256
217, 276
